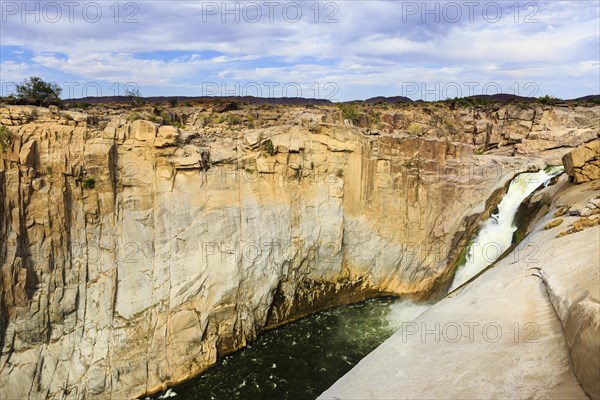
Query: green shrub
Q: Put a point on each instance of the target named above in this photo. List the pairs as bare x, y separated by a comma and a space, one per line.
350, 112
269, 148
37, 92
5, 137
83, 105
548, 99
167, 119
415, 129
88, 183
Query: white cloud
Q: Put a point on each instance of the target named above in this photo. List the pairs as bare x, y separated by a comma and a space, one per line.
374, 45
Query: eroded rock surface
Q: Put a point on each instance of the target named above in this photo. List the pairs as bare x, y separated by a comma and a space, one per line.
133, 254
583, 163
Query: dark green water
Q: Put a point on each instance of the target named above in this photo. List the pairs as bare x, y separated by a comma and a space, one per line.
301, 360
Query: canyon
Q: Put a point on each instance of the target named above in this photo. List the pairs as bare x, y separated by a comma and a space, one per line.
140, 245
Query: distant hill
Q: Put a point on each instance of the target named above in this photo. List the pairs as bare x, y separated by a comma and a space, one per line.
591, 97
182, 99
301, 101
392, 100
502, 98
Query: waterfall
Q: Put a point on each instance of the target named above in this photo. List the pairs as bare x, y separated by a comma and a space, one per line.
495, 235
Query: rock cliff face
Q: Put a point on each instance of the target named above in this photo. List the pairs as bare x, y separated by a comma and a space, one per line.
134, 254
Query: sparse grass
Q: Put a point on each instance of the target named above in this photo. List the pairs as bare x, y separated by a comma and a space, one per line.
448, 123
580, 225
560, 212
133, 116
251, 120
234, 119
553, 224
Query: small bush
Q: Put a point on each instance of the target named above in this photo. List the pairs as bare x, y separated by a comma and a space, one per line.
133, 116
234, 119
5, 137
168, 119
350, 112
553, 224
339, 173
548, 99
83, 105
251, 121
88, 183
415, 129
269, 148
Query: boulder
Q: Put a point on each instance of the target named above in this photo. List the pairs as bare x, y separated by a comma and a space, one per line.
167, 136
583, 163
142, 130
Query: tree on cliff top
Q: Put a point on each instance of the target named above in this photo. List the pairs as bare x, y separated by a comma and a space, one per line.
37, 92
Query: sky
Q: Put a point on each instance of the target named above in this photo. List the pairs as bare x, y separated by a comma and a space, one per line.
336, 50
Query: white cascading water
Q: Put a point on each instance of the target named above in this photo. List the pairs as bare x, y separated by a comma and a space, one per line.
495, 236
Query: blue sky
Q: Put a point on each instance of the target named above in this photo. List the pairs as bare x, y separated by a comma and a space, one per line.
339, 50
